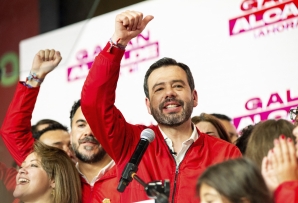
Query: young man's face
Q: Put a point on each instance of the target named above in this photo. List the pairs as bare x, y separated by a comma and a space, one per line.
58, 138
171, 99
84, 144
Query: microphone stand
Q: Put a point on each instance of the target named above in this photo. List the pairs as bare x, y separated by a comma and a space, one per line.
155, 189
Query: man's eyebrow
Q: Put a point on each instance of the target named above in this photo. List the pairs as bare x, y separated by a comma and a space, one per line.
81, 120
157, 84
178, 81
173, 81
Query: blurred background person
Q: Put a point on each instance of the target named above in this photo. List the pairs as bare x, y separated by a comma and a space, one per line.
242, 140
210, 125
228, 125
263, 135
233, 181
56, 135
51, 133
294, 116
42, 124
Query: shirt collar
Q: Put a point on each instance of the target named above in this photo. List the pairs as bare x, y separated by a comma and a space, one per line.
194, 136
103, 171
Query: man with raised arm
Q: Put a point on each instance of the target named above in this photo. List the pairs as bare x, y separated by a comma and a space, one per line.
179, 152
96, 168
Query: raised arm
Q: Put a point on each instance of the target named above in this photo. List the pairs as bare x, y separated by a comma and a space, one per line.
98, 93
16, 128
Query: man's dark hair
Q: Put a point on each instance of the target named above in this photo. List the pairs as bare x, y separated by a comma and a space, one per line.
168, 62
242, 141
222, 116
56, 126
74, 109
41, 122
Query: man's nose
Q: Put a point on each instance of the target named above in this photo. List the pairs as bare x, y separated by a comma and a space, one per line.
170, 92
88, 131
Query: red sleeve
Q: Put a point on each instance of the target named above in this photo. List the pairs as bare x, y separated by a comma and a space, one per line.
16, 127
97, 103
286, 192
8, 177
235, 153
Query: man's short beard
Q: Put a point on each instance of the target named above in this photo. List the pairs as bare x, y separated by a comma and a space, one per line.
94, 158
172, 120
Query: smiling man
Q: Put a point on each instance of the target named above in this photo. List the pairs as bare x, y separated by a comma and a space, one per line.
180, 152
96, 167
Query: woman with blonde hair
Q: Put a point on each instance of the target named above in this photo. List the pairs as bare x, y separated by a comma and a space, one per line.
263, 135
48, 175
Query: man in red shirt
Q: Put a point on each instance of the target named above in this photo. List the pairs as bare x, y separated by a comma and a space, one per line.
179, 152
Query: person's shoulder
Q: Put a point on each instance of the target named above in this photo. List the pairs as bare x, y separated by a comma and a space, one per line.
220, 147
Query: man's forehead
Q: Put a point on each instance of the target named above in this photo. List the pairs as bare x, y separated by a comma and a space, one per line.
79, 114
163, 73
55, 140
166, 69
55, 134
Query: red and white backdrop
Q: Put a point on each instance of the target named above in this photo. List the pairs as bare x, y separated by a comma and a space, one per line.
243, 55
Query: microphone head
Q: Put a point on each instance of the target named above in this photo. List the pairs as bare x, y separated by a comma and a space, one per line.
148, 134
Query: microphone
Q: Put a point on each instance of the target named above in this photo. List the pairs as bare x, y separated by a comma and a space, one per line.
131, 167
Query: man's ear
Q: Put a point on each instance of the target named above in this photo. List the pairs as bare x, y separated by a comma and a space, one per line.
147, 101
195, 98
